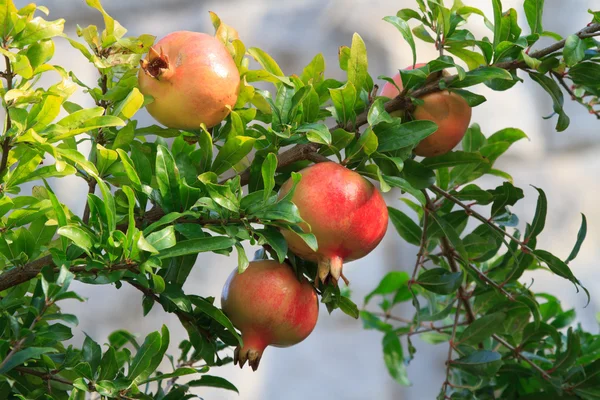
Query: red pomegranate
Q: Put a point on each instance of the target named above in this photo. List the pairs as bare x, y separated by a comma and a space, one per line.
270, 306
192, 78
449, 111
346, 213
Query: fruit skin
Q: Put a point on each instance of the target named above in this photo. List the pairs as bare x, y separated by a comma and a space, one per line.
449, 111
346, 213
193, 80
270, 306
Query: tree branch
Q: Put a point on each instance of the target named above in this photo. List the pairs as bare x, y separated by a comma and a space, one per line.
450, 349
518, 354
8, 75
47, 376
403, 102
478, 216
574, 97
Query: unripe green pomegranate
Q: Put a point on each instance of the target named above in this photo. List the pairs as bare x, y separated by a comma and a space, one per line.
192, 78
270, 306
346, 213
449, 111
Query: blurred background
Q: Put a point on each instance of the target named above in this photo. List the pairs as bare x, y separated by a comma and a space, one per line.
340, 360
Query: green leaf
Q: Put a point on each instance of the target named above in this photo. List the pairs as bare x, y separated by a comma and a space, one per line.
21, 356
473, 59
217, 315
109, 366
234, 150
163, 239
213, 381
344, 100
481, 75
144, 355
269, 166
266, 61
127, 107
394, 358
316, 133
440, 280
555, 264
275, 239
580, 238
404, 29
358, 64
453, 158
539, 219
167, 177
390, 283
92, 353
396, 135
348, 307
497, 6
406, 227
480, 363
473, 99
195, 246
574, 50
533, 11
175, 374
482, 328
473, 139
555, 93
80, 237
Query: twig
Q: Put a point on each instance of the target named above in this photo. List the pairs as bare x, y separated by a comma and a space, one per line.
478, 216
100, 140
44, 375
451, 348
574, 97
21, 341
185, 318
8, 75
463, 297
489, 281
423, 242
521, 356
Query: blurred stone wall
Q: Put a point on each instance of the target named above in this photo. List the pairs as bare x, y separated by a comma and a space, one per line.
340, 360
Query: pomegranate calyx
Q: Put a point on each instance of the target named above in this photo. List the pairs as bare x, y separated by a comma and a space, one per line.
253, 356
155, 65
330, 266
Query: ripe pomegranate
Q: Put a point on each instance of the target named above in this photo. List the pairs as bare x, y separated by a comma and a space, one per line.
270, 306
346, 213
193, 80
448, 110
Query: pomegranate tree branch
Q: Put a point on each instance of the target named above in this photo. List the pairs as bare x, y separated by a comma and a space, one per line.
8, 75
450, 350
574, 97
19, 344
100, 140
404, 102
423, 241
490, 282
447, 251
46, 376
476, 215
518, 354
185, 318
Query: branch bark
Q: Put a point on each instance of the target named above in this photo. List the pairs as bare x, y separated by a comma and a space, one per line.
8, 75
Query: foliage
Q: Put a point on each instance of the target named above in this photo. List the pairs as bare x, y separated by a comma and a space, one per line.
165, 196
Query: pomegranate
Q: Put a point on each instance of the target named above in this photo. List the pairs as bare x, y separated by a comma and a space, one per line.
192, 78
448, 110
346, 213
270, 306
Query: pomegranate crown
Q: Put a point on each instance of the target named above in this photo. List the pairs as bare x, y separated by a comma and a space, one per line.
155, 65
